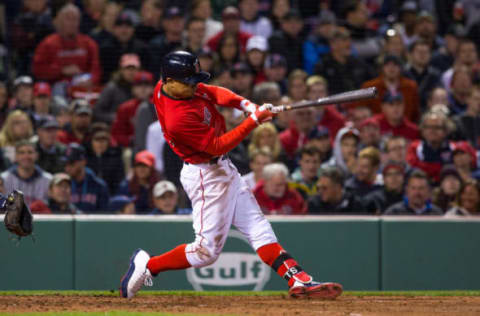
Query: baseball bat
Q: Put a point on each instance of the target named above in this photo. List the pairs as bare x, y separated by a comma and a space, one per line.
349, 96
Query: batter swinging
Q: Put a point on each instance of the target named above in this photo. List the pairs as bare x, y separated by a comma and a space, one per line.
195, 131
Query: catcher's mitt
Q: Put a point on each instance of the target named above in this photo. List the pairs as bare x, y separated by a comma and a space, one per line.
18, 218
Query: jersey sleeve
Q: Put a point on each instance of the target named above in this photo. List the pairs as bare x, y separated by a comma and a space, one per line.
221, 96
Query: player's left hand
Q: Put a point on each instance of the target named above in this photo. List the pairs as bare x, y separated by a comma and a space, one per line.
248, 107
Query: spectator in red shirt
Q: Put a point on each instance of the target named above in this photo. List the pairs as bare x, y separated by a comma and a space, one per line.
123, 126
231, 26
370, 133
77, 130
67, 52
274, 196
392, 120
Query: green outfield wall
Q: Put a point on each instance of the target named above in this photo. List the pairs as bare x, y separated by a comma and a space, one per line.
363, 253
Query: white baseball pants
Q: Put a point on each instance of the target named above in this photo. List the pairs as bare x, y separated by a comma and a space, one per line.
220, 198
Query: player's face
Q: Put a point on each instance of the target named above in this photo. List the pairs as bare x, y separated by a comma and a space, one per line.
309, 165
61, 192
167, 202
179, 89
276, 186
26, 156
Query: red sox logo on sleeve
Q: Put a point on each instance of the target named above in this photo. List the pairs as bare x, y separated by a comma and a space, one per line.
207, 116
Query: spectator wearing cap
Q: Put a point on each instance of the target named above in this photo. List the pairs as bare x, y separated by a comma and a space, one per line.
258, 159
29, 27
392, 190
231, 27
257, 49
339, 67
42, 99
434, 149
468, 123
123, 126
165, 199
252, 22
391, 79
327, 116
445, 195
54, 61
150, 24
104, 157
59, 195
18, 126
426, 30
139, 185
465, 161
320, 139
122, 42
304, 178
366, 178
275, 67
392, 120
89, 192
345, 148
370, 133
173, 25
288, 40
273, 194
122, 204
364, 40
406, 21
77, 130
22, 94
332, 198
202, 9
418, 68
118, 89
417, 199
195, 33
25, 175
242, 76
50, 150
316, 45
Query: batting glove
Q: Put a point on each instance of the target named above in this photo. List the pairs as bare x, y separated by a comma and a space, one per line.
262, 115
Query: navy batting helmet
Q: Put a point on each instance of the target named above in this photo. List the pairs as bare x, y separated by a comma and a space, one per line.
184, 67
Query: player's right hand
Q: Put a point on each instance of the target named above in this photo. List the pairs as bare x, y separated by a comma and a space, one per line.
262, 114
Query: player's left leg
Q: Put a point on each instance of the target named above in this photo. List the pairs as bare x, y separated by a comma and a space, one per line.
250, 220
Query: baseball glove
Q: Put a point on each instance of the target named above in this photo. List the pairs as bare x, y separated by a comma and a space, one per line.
18, 218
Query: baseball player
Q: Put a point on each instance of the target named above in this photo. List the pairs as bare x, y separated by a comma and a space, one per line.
195, 131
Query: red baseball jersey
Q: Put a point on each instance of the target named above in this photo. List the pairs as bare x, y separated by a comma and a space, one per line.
189, 125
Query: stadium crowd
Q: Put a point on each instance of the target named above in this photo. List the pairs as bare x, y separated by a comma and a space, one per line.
79, 132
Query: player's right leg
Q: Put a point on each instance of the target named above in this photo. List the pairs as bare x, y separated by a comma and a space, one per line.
213, 202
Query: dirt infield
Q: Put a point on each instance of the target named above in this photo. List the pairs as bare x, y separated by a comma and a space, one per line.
247, 305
